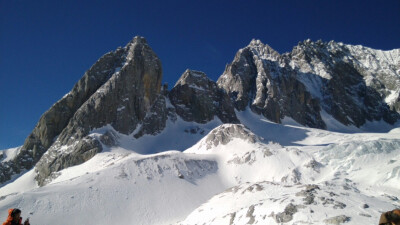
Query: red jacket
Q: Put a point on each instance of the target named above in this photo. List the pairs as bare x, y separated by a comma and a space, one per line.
9, 220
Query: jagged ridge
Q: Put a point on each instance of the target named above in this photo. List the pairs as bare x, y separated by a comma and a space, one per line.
354, 84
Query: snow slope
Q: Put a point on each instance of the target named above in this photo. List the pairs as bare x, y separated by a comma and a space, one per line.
8, 154
118, 188
273, 203
259, 172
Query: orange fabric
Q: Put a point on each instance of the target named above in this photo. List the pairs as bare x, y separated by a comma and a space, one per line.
9, 218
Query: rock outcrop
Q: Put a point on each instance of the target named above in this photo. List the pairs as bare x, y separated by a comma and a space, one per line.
122, 102
54, 121
352, 89
156, 119
352, 83
256, 78
197, 98
225, 133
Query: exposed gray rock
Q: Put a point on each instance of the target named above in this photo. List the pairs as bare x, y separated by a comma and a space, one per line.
53, 121
256, 78
337, 220
331, 201
232, 215
308, 193
250, 215
347, 89
122, 102
286, 215
380, 70
315, 165
9, 168
110, 138
248, 157
267, 152
339, 205
315, 76
188, 169
197, 98
391, 197
226, 133
254, 188
57, 117
294, 177
156, 119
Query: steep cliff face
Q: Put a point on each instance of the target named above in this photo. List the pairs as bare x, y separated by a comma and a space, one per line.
156, 119
354, 84
381, 71
54, 121
197, 98
258, 78
122, 101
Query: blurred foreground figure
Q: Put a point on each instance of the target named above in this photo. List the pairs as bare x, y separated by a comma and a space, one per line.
390, 218
14, 218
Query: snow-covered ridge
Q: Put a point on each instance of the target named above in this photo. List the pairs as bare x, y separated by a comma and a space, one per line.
264, 173
263, 51
379, 68
195, 79
274, 203
8, 154
224, 134
144, 186
373, 63
374, 58
370, 162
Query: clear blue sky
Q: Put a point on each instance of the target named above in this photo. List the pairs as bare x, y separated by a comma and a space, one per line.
46, 46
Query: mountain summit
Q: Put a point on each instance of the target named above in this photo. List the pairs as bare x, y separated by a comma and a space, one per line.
118, 89
353, 84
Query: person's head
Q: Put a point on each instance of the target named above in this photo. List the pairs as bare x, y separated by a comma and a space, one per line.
16, 214
394, 217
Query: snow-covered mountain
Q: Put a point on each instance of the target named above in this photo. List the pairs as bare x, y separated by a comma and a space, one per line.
246, 149
353, 84
230, 176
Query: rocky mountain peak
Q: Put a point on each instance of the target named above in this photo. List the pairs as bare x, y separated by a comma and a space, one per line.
225, 133
122, 100
194, 78
354, 84
318, 50
262, 50
136, 44
197, 98
257, 78
138, 40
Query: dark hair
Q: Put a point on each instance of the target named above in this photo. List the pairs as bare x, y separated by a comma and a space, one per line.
15, 212
394, 216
